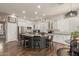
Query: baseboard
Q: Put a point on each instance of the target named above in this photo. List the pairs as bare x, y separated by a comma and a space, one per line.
11, 41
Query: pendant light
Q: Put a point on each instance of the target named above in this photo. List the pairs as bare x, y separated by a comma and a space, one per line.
71, 13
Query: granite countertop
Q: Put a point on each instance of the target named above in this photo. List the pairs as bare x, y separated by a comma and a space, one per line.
61, 33
47, 34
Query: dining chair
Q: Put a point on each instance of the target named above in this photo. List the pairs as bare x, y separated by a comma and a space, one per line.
74, 48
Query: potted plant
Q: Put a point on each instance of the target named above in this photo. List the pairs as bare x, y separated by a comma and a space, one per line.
75, 34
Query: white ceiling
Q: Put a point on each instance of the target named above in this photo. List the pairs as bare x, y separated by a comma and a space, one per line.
45, 8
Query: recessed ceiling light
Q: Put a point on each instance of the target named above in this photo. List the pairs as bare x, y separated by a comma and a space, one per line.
36, 12
12, 15
0, 17
23, 11
44, 14
38, 6
24, 17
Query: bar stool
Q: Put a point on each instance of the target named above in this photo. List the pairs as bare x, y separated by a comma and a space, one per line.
50, 41
24, 41
21, 40
36, 41
27, 41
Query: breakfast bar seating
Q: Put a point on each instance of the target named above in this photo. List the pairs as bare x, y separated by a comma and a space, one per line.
35, 41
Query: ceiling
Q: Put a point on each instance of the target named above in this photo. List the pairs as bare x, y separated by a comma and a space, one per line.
45, 10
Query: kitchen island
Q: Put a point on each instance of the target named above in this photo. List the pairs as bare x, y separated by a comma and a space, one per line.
43, 40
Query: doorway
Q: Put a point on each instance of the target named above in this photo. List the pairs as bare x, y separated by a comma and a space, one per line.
2, 35
2, 32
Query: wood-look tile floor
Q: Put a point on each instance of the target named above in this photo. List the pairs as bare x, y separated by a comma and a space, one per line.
12, 49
